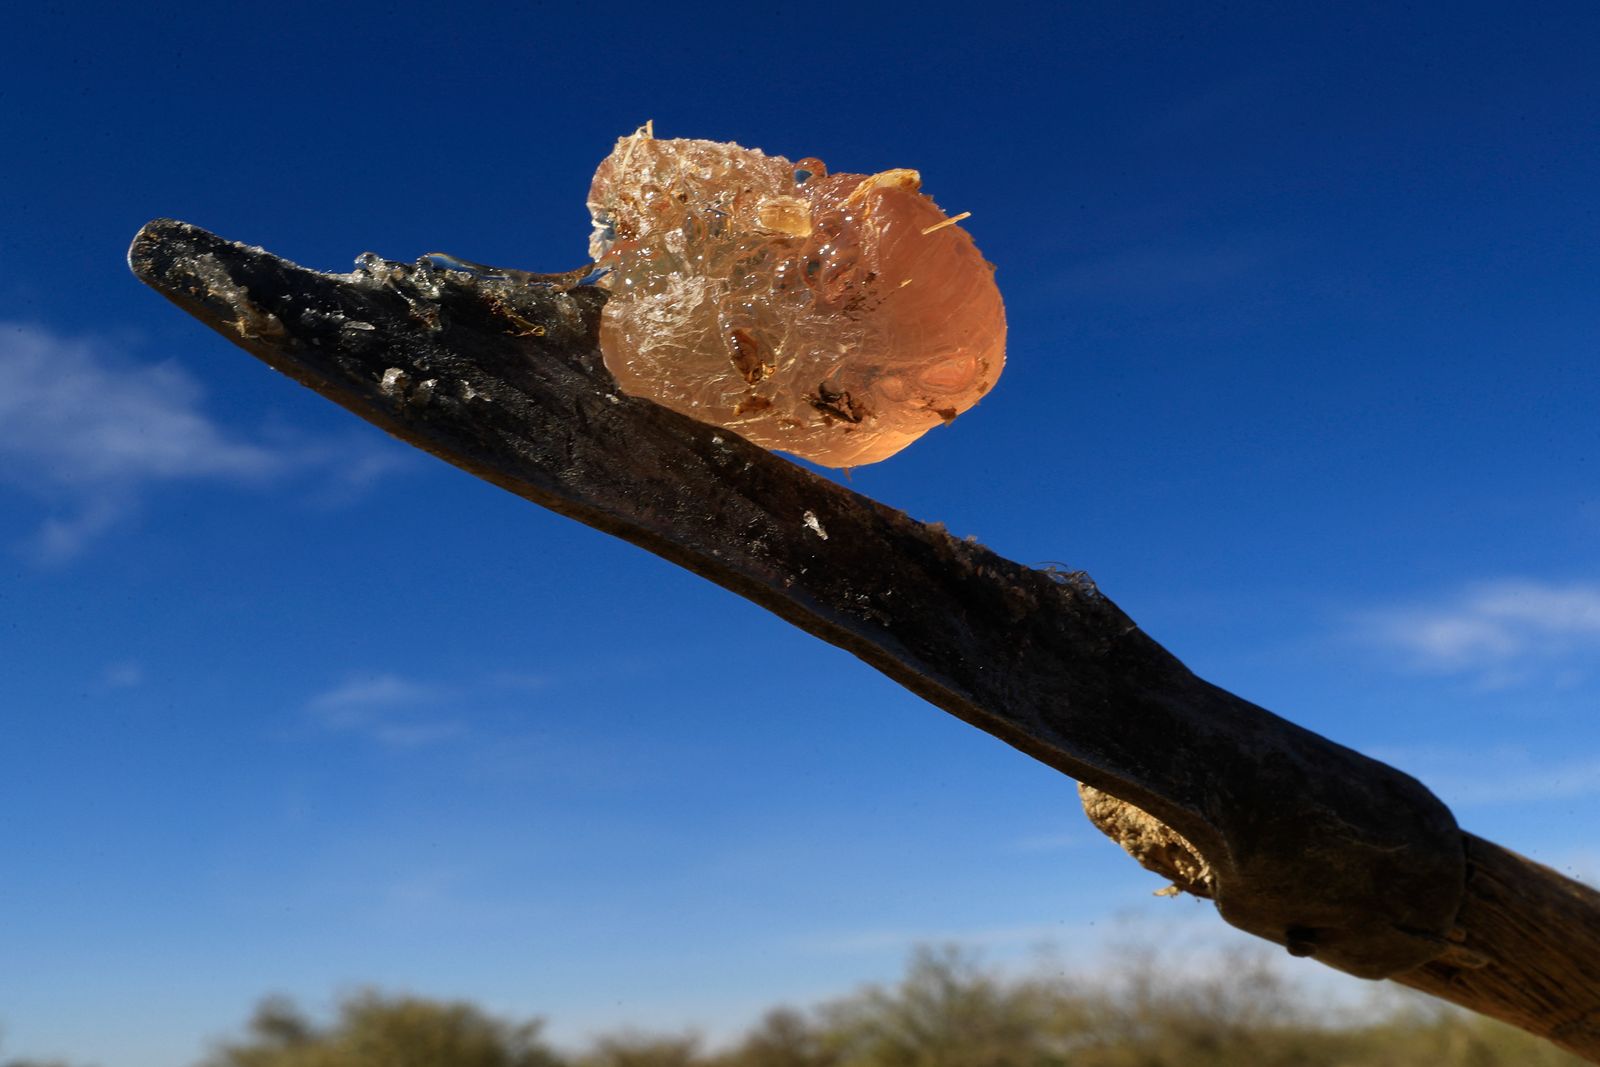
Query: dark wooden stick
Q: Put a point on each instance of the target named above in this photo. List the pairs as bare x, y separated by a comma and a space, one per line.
1297, 839
1528, 950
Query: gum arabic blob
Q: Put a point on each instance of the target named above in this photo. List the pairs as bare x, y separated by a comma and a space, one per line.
836, 317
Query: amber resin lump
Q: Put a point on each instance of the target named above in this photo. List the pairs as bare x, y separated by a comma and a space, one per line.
836, 317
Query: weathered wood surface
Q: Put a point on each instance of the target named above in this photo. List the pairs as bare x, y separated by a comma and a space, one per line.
1304, 842
1528, 950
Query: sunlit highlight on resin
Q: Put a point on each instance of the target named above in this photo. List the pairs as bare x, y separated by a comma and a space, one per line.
836, 317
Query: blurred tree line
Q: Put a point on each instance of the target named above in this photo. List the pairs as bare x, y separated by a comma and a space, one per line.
947, 1011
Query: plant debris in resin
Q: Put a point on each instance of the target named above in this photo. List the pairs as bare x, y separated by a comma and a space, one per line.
837, 317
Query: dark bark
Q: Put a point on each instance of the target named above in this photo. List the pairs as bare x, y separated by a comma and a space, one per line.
1527, 950
1304, 842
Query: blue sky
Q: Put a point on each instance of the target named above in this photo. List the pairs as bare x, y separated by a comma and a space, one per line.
1303, 327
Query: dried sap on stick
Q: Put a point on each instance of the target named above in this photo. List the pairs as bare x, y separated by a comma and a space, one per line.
837, 317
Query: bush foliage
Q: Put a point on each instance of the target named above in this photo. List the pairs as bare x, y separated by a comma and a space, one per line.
947, 1011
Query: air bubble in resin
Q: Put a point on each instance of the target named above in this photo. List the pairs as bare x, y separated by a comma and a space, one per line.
838, 317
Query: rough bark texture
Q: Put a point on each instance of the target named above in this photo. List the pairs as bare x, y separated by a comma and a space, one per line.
1304, 842
1527, 950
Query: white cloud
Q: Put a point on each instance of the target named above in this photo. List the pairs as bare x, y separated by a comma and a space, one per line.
905, 939
1501, 632
1496, 776
1046, 842
124, 674
87, 431
77, 417
375, 691
414, 734
347, 465
517, 681
60, 537
397, 711
386, 708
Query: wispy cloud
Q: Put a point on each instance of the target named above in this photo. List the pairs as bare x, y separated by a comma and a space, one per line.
1045, 842
80, 417
903, 939
1500, 632
1497, 776
394, 711
87, 430
344, 467
401, 712
375, 691
124, 674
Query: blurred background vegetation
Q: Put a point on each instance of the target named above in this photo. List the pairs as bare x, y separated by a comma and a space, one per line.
947, 1011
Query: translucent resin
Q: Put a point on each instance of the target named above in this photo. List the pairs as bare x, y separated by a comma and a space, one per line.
836, 317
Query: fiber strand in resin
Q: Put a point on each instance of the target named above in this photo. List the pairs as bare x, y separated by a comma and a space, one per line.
836, 317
